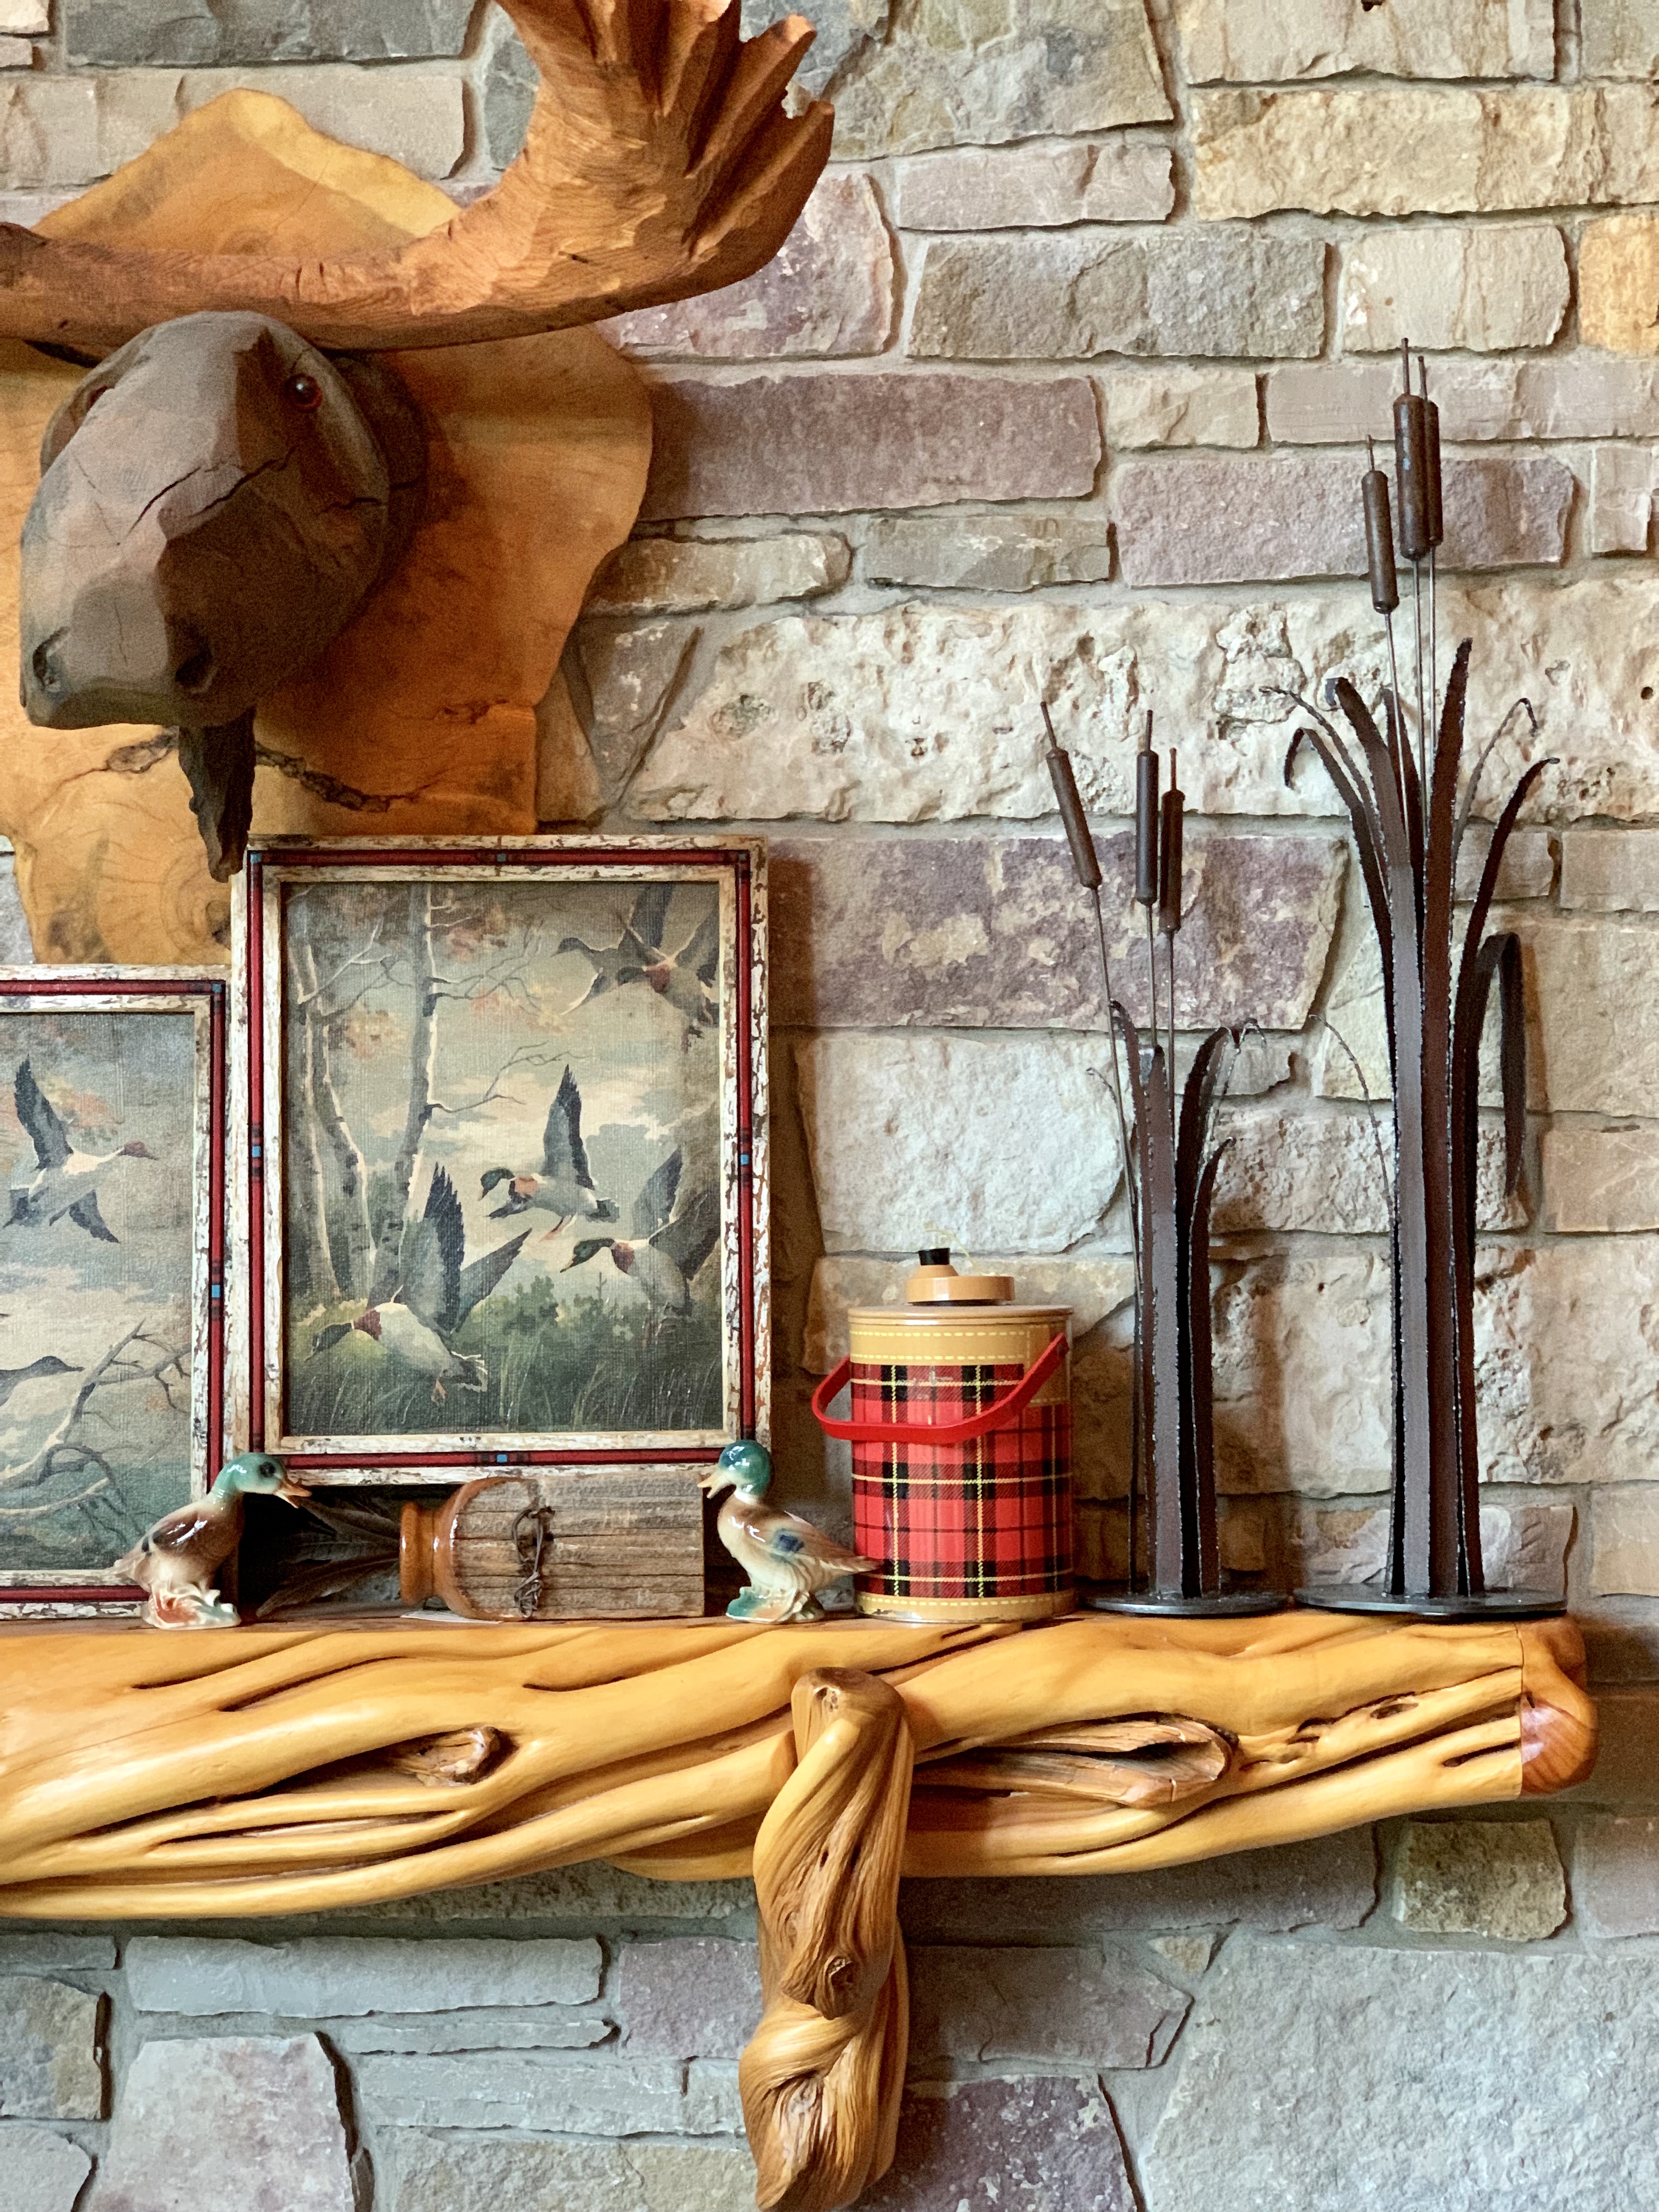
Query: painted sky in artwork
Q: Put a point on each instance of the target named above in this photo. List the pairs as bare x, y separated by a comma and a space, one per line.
123, 1458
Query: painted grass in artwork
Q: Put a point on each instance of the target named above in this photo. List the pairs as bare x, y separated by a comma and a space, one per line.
555, 1365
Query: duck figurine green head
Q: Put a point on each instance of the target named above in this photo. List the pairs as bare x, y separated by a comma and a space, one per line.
175, 1563
787, 1560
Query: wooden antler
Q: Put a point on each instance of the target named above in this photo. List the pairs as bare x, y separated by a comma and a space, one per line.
659, 163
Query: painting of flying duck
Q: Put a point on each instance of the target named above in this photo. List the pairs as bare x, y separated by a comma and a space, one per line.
502, 1137
112, 1100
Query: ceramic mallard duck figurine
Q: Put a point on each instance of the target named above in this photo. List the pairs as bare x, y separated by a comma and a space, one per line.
787, 1560
175, 1562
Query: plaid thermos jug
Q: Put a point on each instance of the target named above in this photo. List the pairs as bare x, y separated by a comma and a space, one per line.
961, 1430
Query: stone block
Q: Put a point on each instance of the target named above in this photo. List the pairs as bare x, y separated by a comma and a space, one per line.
1485, 291
830, 444
1022, 2145
695, 1998
1068, 2007
1527, 870
1302, 1367
1295, 516
1330, 1882
52, 2058
113, 33
1597, 1018
1600, 1181
1625, 1558
947, 75
682, 575
1577, 395
45, 2171
1181, 407
930, 1140
1501, 1878
713, 2101
829, 289
1615, 1875
627, 676
1619, 38
1328, 1175
1439, 151
482, 2172
1621, 518
989, 932
16, 54
1626, 1773
547, 2028
1070, 297
30, 18
350, 1975
417, 116
1591, 1415
988, 552
1034, 187
250, 2121
1259, 42
1522, 1547
923, 714
1615, 871
49, 132
1495, 2049
535, 2094
39, 1951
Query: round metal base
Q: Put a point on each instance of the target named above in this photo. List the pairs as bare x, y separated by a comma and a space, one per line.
1491, 1605
1102, 1597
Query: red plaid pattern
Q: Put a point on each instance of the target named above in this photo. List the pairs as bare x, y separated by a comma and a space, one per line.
990, 1519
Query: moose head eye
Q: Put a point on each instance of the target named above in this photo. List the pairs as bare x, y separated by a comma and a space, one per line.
303, 392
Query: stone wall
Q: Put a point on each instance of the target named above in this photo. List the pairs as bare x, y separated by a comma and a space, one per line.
1062, 381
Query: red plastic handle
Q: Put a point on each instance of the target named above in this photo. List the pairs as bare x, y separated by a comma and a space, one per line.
1000, 1411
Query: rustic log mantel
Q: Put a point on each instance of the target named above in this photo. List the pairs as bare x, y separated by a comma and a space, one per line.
275, 1771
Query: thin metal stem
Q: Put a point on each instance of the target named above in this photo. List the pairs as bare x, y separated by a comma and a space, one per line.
1169, 939
1152, 973
1117, 1077
1400, 738
1422, 727
1434, 670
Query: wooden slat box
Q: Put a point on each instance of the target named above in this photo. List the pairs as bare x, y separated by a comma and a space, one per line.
562, 1544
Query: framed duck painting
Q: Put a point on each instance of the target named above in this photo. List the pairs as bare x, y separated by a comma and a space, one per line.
500, 1140
112, 1132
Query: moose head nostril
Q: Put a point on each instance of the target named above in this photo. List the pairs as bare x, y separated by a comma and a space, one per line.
195, 672
48, 674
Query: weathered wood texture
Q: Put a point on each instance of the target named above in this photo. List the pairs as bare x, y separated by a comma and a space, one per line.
576, 1544
659, 163
271, 1770
421, 718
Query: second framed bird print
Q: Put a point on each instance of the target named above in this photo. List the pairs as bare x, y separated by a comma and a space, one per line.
500, 1145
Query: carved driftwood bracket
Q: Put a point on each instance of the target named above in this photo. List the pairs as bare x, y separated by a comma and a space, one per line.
262, 1771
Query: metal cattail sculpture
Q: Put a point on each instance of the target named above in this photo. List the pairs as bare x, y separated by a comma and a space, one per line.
1170, 1162
1409, 821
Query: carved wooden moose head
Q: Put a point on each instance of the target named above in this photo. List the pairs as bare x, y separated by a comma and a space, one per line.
238, 472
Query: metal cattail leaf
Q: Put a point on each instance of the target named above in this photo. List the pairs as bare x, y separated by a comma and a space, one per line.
1147, 840
1411, 468
1168, 891
1431, 456
1085, 861
1379, 538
